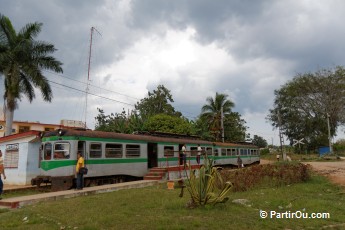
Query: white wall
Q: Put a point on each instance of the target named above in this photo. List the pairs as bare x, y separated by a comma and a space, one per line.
27, 163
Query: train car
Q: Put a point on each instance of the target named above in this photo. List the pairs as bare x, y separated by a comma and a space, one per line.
116, 157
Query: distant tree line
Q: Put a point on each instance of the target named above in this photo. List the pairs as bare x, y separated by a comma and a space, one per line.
156, 113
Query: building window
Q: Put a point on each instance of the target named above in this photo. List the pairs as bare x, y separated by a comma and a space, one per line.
23, 129
12, 156
113, 150
132, 151
95, 150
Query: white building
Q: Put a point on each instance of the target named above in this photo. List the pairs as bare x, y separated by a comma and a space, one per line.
21, 157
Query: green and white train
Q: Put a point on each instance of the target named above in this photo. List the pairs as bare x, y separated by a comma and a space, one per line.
117, 157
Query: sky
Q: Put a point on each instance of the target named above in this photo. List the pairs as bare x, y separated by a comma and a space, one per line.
195, 48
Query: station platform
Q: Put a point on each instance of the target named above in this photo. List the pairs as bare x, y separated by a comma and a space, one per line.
10, 187
16, 202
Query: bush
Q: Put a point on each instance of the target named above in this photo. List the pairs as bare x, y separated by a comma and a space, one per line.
267, 175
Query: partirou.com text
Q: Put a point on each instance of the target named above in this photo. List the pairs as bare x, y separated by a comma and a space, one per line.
293, 215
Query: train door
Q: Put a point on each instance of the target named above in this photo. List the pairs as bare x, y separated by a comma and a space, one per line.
180, 153
152, 155
82, 148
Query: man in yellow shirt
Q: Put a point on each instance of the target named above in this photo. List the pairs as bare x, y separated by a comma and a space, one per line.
2, 172
80, 164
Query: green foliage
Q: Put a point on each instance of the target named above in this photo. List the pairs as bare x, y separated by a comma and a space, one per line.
264, 151
304, 104
169, 124
157, 102
118, 122
259, 141
283, 173
203, 188
234, 125
339, 147
22, 60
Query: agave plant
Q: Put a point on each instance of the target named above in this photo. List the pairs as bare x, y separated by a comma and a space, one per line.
208, 187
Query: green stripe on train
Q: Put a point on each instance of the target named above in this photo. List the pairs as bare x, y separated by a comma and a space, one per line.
49, 165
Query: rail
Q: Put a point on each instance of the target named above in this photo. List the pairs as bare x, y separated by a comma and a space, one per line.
173, 161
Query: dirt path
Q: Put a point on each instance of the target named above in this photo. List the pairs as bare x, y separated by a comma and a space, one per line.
335, 171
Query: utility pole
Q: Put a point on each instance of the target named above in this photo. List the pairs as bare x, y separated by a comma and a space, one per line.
329, 134
222, 122
88, 71
281, 138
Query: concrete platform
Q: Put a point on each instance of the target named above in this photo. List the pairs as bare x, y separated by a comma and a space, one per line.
9, 187
17, 202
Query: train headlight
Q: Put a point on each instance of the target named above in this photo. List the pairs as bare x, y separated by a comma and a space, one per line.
60, 132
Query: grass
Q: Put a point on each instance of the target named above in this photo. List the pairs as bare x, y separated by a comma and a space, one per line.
159, 208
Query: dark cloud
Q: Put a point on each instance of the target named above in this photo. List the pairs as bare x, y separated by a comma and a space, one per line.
267, 42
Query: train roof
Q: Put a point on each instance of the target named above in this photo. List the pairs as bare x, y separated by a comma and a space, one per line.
180, 139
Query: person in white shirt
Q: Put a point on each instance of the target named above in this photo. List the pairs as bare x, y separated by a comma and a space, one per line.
199, 154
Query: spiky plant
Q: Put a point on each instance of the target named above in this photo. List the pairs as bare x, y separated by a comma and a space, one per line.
208, 187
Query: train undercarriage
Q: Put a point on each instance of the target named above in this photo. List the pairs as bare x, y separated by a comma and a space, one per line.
60, 183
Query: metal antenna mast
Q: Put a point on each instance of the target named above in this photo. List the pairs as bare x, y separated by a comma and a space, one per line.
88, 70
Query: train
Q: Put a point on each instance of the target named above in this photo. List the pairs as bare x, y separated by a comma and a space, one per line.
117, 157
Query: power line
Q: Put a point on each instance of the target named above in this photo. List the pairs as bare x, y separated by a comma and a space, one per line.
90, 93
92, 85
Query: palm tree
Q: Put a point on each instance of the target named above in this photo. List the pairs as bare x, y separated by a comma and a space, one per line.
22, 60
212, 112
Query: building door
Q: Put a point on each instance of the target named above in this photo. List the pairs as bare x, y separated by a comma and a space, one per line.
152, 155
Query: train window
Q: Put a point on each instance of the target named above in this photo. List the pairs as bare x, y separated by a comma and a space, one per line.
209, 151
228, 152
61, 151
216, 152
113, 150
233, 152
223, 152
243, 152
132, 151
47, 151
95, 150
193, 151
168, 151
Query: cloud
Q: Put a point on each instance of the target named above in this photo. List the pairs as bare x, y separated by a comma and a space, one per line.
245, 49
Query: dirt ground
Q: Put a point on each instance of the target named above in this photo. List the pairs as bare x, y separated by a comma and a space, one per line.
335, 171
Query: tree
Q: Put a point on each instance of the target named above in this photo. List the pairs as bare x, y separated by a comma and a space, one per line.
259, 141
118, 122
169, 124
22, 60
234, 127
303, 105
212, 112
157, 102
